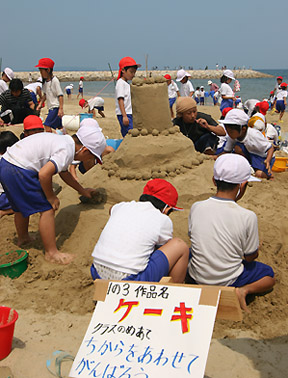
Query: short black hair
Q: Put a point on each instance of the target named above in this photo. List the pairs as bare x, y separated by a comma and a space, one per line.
234, 126
160, 205
223, 79
16, 85
224, 186
7, 139
77, 140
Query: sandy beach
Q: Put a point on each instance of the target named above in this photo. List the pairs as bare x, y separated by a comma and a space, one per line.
55, 302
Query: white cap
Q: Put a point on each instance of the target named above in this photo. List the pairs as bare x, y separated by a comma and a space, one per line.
181, 74
72, 85
233, 168
201, 86
229, 74
91, 136
235, 117
260, 115
257, 122
209, 82
9, 73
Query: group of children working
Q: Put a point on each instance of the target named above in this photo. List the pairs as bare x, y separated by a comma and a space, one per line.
224, 236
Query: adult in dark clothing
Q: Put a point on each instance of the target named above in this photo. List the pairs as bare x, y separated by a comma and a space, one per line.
201, 128
16, 103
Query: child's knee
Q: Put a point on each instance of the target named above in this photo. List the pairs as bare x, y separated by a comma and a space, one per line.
179, 246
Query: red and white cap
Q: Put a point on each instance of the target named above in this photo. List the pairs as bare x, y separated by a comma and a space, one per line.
164, 191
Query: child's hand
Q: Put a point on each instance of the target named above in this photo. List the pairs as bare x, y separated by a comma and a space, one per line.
1, 122
60, 113
267, 165
125, 121
54, 202
87, 192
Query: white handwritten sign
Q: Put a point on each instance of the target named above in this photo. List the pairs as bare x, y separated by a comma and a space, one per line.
147, 331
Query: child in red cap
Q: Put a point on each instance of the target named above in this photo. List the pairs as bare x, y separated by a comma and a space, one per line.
52, 94
80, 87
127, 70
281, 101
92, 104
137, 242
173, 92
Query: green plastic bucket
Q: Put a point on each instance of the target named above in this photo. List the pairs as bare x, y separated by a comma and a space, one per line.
15, 268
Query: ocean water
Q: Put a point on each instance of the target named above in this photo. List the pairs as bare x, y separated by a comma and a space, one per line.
259, 88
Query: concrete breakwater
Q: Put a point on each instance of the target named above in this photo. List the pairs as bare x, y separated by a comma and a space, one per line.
107, 75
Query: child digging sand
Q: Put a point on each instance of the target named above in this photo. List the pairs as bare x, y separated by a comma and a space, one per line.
224, 235
137, 242
26, 172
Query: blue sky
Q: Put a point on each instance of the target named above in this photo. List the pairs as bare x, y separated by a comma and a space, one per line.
88, 34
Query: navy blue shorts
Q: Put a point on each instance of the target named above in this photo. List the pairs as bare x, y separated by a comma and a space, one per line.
226, 103
201, 100
253, 271
34, 98
257, 163
172, 101
158, 267
68, 91
80, 90
197, 100
280, 106
101, 108
4, 203
125, 129
23, 189
53, 120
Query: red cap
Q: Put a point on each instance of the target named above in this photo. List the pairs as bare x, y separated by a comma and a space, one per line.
283, 85
263, 107
167, 76
45, 63
162, 190
225, 111
279, 77
82, 102
32, 122
126, 62
81, 77
272, 92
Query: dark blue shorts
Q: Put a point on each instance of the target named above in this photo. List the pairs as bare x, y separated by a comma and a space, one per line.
125, 129
158, 267
253, 271
23, 189
4, 203
80, 90
68, 91
172, 101
280, 106
226, 103
53, 120
197, 100
257, 163
101, 108
34, 98
201, 100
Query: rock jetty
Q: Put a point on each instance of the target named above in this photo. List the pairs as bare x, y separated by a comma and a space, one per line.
107, 75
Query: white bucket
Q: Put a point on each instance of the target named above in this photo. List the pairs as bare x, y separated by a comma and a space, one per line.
71, 122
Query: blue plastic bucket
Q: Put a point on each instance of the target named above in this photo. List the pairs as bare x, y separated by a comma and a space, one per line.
85, 115
115, 143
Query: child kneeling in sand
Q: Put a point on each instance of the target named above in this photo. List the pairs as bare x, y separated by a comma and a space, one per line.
224, 236
249, 142
137, 242
26, 172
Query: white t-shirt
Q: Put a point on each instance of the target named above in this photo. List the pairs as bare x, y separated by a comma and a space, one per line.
202, 93
33, 152
130, 236
172, 89
33, 87
52, 90
226, 90
197, 93
122, 89
95, 101
222, 138
221, 233
186, 89
80, 84
254, 141
281, 94
277, 88
69, 87
3, 86
271, 133
250, 105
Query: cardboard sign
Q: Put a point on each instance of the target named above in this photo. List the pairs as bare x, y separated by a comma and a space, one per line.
147, 330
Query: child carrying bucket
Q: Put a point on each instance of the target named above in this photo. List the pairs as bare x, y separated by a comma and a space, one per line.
127, 70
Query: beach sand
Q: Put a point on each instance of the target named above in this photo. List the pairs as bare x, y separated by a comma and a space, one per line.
55, 302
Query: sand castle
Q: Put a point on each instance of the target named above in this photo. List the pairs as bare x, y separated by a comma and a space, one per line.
154, 148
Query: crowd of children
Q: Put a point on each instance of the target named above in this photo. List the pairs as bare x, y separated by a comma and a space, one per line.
145, 248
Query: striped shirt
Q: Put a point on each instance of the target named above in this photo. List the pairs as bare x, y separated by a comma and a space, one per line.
7, 101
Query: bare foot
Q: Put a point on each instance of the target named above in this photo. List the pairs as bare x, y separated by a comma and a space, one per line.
6, 212
24, 241
240, 291
59, 258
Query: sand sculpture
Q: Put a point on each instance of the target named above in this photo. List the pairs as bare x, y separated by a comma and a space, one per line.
154, 148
